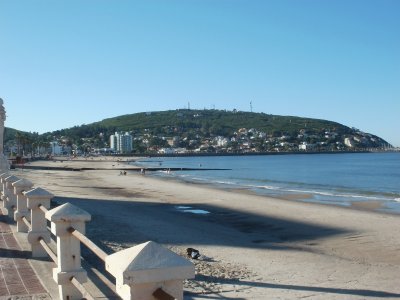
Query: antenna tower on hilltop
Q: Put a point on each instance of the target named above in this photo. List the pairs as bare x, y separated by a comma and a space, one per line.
251, 106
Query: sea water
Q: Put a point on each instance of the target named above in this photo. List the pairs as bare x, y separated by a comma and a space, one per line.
340, 179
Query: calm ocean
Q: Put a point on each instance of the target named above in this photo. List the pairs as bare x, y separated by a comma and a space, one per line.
338, 179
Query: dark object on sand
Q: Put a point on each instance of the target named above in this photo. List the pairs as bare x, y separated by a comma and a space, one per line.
193, 253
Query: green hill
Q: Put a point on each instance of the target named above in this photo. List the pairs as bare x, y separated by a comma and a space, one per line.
9, 134
217, 122
194, 128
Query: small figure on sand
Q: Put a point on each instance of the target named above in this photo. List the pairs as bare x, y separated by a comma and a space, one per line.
142, 171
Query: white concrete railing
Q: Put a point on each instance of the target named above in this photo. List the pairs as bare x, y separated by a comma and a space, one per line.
146, 271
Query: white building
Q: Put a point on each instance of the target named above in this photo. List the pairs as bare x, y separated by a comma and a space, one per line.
172, 150
349, 142
307, 147
166, 151
121, 143
221, 141
56, 149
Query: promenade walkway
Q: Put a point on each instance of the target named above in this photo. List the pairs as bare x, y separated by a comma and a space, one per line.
17, 278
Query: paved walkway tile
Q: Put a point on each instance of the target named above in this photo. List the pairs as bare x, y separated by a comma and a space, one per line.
17, 277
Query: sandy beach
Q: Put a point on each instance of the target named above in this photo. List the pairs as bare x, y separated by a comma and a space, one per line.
252, 247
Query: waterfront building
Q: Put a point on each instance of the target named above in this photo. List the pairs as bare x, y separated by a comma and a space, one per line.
307, 147
121, 142
56, 149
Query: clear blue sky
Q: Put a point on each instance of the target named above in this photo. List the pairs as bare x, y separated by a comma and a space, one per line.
67, 63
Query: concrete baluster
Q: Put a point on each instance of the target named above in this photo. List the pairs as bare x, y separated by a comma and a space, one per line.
3, 176
68, 248
38, 197
21, 186
10, 199
141, 270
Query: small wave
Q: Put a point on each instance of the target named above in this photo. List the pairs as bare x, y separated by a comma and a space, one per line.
225, 182
196, 211
267, 187
331, 194
328, 194
314, 192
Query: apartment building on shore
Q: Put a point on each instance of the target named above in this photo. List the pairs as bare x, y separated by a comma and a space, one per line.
121, 142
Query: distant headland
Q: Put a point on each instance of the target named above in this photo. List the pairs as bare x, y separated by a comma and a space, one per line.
196, 132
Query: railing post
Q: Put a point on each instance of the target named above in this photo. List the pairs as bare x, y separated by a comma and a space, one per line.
10, 200
3, 176
36, 198
22, 203
142, 270
68, 248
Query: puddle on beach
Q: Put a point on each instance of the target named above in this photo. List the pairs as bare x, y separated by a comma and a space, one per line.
188, 209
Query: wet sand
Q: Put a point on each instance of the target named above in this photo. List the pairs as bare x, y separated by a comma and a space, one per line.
253, 247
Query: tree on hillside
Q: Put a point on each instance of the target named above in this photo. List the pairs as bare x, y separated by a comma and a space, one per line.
158, 142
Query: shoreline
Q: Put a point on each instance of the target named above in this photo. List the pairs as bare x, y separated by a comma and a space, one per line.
253, 246
373, 205
110, 164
